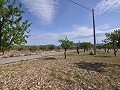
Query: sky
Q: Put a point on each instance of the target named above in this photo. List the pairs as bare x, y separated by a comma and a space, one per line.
55, 19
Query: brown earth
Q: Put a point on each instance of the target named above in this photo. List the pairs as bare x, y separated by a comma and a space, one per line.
77, 72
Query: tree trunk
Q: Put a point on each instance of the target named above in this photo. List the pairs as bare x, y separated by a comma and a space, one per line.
43, 50
105, 49
84, 50
0, 38
3, 52
108, 50
115, 51
87, 49
77, 50
65, 53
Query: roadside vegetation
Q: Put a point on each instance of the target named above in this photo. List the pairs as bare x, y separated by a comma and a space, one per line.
30, 50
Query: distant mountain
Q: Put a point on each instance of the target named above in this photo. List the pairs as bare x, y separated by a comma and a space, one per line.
98, 44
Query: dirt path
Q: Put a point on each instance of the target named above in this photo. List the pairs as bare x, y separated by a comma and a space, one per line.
13, 59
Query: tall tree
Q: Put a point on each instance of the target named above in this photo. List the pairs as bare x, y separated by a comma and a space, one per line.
113, 39
66, 44
13, 30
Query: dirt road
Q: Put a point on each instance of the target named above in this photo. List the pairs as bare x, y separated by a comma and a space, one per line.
13, 59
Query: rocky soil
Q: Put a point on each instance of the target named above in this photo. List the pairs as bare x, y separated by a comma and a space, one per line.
77, 72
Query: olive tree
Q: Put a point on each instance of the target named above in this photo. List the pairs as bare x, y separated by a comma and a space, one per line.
13, 29
113, 39
66, 44
85, 45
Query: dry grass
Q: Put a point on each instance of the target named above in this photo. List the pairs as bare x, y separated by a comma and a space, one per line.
77, 72
15, 53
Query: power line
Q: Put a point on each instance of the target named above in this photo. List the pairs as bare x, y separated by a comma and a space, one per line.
94, 34
80, 5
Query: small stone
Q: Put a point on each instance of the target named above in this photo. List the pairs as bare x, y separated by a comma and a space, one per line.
89, 87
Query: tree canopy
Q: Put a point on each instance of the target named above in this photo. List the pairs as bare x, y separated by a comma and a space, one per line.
113, 39
66, 44
13, 30
85, 45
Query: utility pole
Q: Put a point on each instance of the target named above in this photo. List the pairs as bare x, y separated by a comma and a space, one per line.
93, 16
0, 34
94, 35
0, 38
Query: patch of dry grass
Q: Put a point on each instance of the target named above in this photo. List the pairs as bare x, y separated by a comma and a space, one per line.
15, 53
77, 72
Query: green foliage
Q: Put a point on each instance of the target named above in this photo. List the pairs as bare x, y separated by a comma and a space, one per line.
113, 40
13, 31
43, 48
58, 48
33, 48
51, 47
66, 44
99, 47
23, 48
85, 45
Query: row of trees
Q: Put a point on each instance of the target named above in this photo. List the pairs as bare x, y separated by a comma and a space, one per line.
112, 41
67, 44
36, 48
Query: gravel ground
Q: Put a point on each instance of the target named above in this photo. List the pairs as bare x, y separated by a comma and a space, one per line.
77, 72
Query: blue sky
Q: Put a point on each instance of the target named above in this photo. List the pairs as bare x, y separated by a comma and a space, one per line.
55, 19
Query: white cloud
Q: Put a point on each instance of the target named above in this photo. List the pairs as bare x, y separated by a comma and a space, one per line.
104, 27
78, 33
42, 9
108, 5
